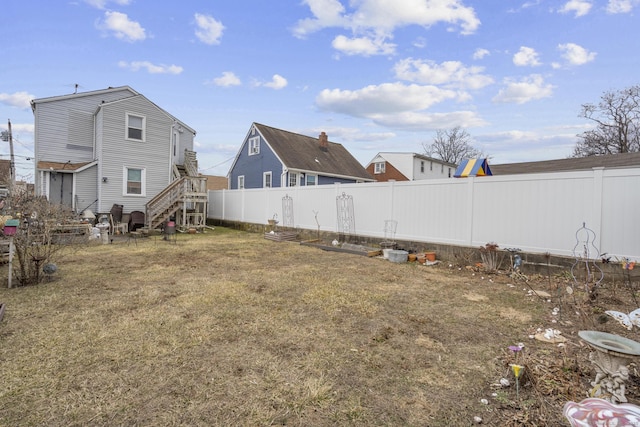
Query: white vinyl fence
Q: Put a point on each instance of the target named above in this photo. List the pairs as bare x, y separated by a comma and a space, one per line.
534, 212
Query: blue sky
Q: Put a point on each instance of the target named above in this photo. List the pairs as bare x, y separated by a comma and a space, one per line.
376, 75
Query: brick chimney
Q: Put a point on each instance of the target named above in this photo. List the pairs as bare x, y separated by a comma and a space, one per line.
323, 140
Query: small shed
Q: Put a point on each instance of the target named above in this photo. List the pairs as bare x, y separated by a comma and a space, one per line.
473, 167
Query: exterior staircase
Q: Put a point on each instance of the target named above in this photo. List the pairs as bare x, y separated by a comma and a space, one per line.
185, 198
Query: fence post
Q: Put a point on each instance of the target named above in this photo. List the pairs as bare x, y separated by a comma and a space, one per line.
469, 208
598, 175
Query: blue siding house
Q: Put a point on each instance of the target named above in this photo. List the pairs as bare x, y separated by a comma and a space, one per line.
271, 157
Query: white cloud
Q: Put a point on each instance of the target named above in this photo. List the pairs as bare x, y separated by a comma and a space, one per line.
17, 99
621, 6
227, 79
449, 73
480, 53
362, 46
151, 68
579, 7
420, 43
382, 18
122, 27
527, 89
575, 54
209, 29
423, 121
327, 13
526, 56
101, 4
277, 82
382, 99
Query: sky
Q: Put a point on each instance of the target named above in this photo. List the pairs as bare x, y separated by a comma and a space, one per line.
375, 75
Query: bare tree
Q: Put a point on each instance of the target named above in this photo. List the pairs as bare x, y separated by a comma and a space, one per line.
452, 146
617, 124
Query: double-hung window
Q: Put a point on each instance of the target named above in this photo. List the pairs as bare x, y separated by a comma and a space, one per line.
134, 181
378, 167
254, 145
136, 127
266, 180
293, 179
240, 182
311, 179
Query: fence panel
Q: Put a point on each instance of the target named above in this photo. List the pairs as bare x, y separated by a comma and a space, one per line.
535, 212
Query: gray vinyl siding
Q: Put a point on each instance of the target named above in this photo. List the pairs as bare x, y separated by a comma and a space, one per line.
87, 189
116, 152
58, 122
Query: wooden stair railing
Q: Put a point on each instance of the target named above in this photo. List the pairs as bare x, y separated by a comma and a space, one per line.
188, 189
165, 204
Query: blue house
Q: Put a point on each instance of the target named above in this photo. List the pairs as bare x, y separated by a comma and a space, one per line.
271, 157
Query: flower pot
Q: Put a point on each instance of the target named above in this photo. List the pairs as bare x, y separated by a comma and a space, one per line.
430, 256
398, 256
412, 257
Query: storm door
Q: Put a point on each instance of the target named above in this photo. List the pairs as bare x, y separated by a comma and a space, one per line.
61, 188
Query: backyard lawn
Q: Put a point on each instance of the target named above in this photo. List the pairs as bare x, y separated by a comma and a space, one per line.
227, 328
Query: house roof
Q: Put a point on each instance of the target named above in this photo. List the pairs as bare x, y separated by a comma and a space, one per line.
81, 94
215, 182
571, 164
303, 153
59, 166
392, 155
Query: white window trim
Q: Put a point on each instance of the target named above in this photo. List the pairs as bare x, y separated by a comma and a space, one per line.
254, 145
240, 182
126, 127
297, 176
264, 180
379, 167
306, 179
143, 184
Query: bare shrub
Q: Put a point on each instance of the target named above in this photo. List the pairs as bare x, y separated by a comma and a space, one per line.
490, 257
35, 243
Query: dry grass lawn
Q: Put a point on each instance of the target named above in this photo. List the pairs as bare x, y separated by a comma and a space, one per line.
228, 328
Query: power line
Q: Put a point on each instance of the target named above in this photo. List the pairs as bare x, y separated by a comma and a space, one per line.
219, 164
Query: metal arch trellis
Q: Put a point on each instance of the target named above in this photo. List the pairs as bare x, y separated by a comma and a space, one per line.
287, 211
346, 218
585, 238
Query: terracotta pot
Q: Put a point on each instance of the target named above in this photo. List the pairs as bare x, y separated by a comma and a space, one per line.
431, 256
422, 259
412, 257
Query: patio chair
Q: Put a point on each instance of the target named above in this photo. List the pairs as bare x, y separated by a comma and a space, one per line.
136, 220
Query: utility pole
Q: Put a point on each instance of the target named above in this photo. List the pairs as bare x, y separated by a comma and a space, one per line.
12, 162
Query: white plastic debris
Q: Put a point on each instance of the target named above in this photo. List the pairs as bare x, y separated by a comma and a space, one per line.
484, 401
477, 420
504, 382
551, 333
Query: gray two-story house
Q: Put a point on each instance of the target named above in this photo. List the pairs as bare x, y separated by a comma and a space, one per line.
271, 157
97, 149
